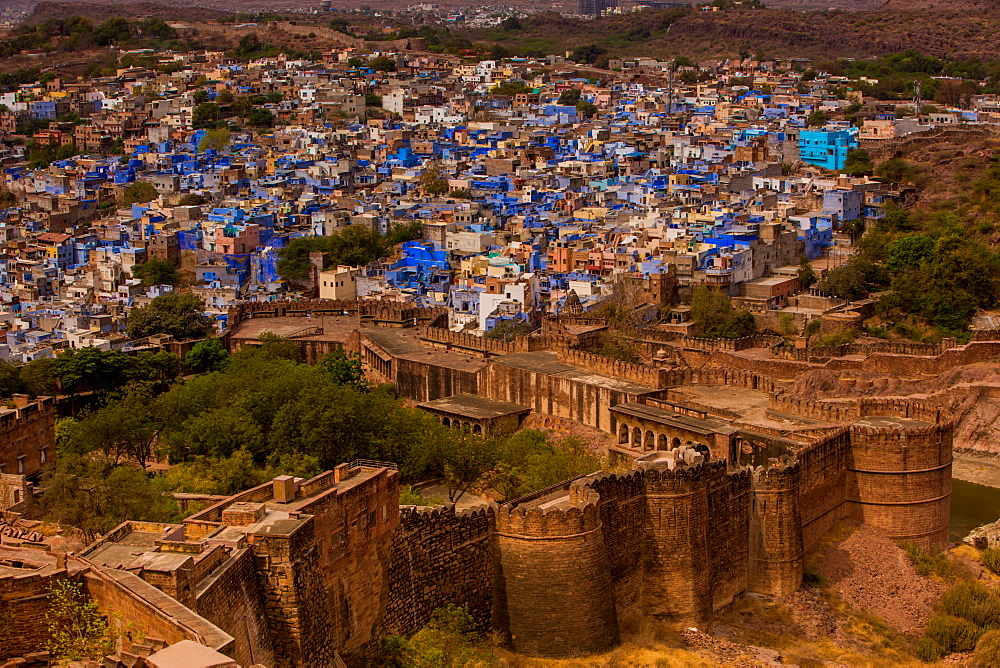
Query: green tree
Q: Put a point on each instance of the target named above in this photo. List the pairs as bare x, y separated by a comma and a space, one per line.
448, 639
433, 182
200, 95
587, 53
806, 275
817, 119
122, 430
192, 199
207, 356
89, 368
345, 368
509, 330
205, 114
846, 281
462, 461
586, 110
140, 192
569, 97
529, 460
382, 64
510, 88
156, 271
76, 629
858, 162
40, 377
216, 139
716, 318
10, 380
260, 118
180, 315
94, 495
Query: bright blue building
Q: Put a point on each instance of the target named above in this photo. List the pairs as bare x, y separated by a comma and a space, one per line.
827, 148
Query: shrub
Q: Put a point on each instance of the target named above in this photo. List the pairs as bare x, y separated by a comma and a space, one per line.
991, 559
952, 633
974, 602
928, 650
987, 651
927, 564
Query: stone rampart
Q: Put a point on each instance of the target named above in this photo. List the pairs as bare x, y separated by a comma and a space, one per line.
899, 480
678, 579
23, 604
776, 549
554, 573
635, 373
822, 483
622, 508
151, 612
439, 337
440, 556
742, 343
231, 599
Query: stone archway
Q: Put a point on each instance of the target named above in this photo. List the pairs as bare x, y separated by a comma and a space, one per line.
650, 442
662, 442
675, 443
623, 434
446, 422
477, 429
637, 438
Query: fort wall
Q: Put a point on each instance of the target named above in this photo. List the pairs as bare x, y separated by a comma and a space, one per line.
24, 600
422, 380
231, 599
900, 481
776, 550
677, 580
622, 508
27, 435
439, 556
822, 483
555, 576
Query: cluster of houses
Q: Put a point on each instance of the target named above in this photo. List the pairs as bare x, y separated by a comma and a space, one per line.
557, 182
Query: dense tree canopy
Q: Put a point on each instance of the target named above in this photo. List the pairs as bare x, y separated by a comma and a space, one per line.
156, 271
179, 314
716, 318
354, 245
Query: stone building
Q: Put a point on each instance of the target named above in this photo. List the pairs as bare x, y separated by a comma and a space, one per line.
730, 483
27, 435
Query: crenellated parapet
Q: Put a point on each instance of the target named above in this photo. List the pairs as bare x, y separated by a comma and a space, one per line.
568, 515
899, 478
557, 592
776, 547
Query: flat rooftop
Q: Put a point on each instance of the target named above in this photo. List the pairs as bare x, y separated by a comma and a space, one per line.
891, 422
665, 416
474, 406
121, 552
335, 327
548, 363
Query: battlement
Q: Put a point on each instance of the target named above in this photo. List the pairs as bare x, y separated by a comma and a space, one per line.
636, 373
846, 411
378, 312
417, 518
776, 474
555, 516
445, 338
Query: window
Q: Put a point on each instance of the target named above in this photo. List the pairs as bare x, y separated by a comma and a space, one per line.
20, 465
42, 457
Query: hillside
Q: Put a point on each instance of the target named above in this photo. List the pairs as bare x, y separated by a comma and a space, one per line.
775, 33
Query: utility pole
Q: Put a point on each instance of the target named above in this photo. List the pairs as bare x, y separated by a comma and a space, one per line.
917, 102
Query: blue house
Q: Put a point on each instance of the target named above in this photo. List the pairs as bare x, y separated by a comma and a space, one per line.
827, 148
